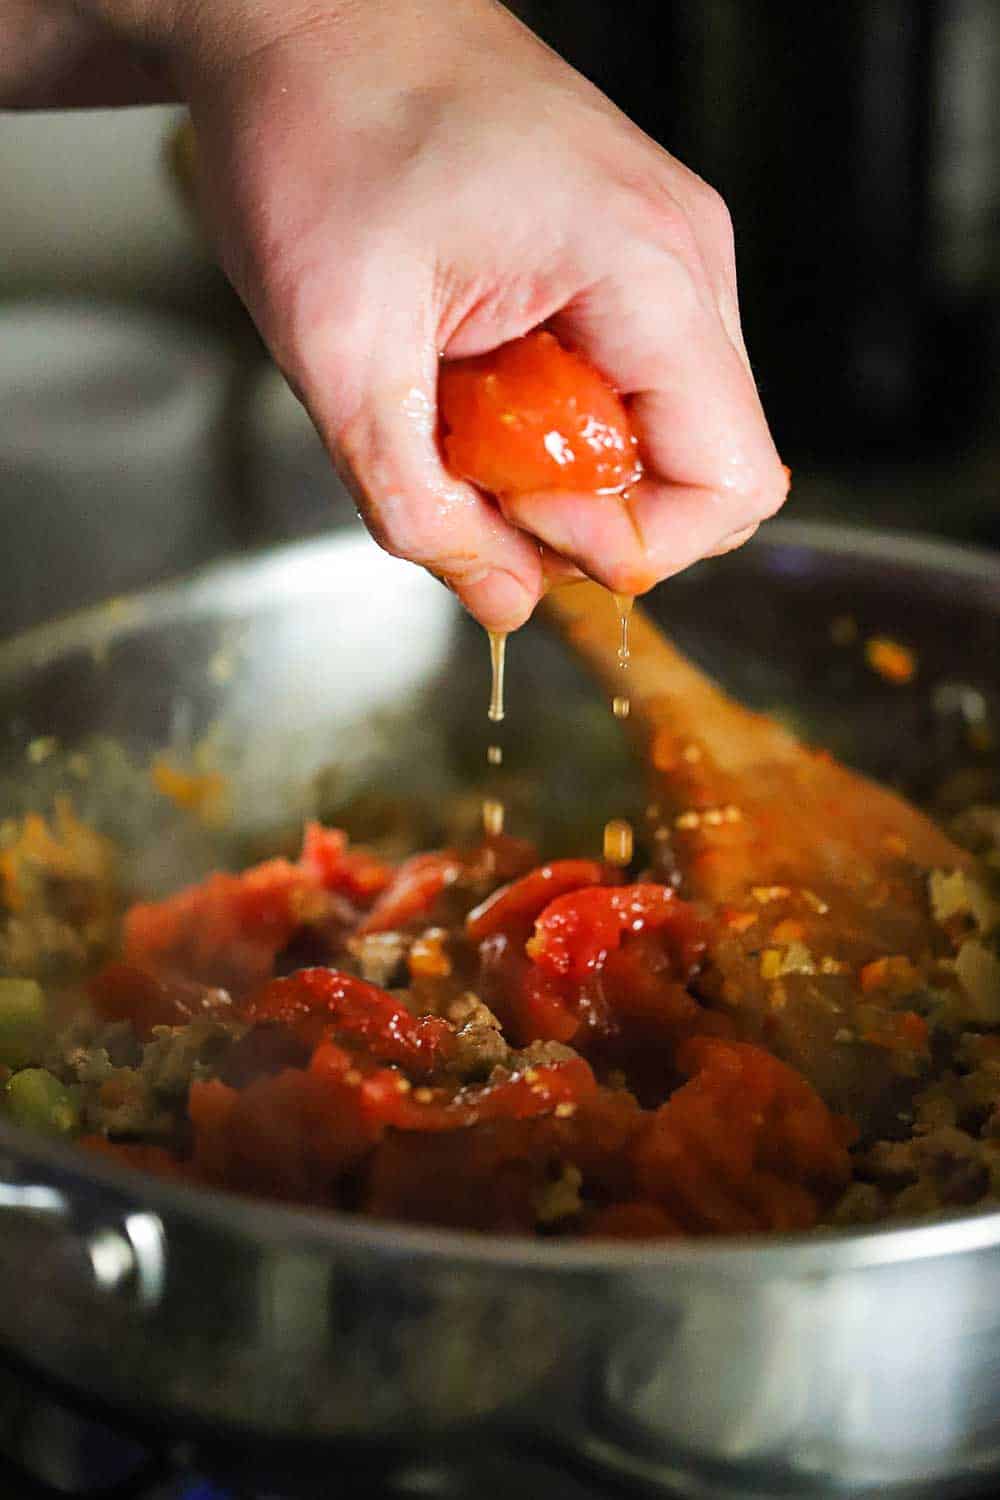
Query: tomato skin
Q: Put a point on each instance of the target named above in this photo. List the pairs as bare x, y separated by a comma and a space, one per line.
413, 891
523, 900
314, 1002
576, 932
533, 415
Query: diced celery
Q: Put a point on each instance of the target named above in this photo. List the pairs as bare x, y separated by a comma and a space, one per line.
37, 1100
22, 1022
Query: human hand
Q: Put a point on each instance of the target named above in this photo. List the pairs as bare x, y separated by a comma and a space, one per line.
390, 183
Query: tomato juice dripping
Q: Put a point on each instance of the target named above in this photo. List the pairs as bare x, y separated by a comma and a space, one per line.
619, 842
620, 705
493, 817
498, 652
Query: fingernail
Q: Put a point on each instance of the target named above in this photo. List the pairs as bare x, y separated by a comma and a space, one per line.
497, 599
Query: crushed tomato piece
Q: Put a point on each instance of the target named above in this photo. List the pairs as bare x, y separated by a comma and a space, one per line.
414, 889
576, 932
357, 873
314, 1001
122, 992
523, 900
746, 1145
533, 415
229, 929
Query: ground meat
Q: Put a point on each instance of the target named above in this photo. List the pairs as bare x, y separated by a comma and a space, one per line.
944, 1168
89, 1050
479, 1042
124, 1105
861, 1203
540, 1055
261, 1052
178, 1054
560, 1198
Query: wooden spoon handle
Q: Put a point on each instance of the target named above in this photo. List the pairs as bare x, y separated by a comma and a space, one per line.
672, 701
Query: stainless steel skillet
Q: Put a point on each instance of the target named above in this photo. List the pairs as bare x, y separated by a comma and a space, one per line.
852, 1363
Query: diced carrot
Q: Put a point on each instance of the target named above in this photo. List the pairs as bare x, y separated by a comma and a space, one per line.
890, 659
202, 793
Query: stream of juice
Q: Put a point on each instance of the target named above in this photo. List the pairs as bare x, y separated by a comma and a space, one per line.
493, 808
498, 651
620, 705
618, 842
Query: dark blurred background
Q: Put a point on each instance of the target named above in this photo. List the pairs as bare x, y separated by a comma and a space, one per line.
857, 143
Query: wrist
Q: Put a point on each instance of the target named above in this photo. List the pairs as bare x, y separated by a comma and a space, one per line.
206, 37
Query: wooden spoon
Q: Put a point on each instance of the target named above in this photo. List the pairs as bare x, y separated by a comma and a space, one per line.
826, 942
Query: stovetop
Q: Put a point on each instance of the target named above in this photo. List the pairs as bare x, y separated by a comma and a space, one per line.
50, 1451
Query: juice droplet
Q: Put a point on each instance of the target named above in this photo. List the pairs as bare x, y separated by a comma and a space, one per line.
494, 755
618, 842
620, 707
498, 650
493, 816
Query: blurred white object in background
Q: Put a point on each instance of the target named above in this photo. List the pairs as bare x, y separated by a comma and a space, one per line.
88, 206
114, 456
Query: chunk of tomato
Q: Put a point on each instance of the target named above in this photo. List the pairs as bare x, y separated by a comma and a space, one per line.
413, 891
746, 1145
576, 932
314, 1002
521, 902
355, 873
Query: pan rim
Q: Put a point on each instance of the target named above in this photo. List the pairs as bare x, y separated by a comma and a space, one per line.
216, 587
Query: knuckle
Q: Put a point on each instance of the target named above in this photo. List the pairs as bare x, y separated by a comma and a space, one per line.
713, 211
672, 226
399, 525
